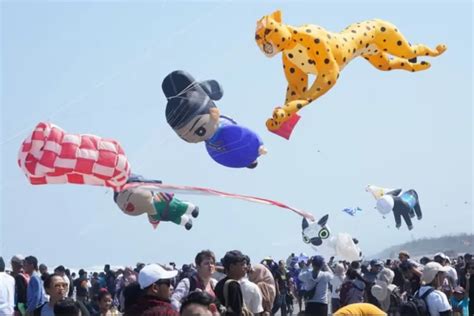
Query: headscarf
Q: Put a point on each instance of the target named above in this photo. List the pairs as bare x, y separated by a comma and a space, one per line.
261, 276
383, 288
339, 270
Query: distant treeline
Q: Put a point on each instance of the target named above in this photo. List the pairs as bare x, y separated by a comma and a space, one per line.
450, 245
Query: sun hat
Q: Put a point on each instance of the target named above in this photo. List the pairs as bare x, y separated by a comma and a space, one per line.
381, 290
383, 284
430, 271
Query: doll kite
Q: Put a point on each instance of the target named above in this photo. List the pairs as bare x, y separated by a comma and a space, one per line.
194, 116
403, 205
159, 206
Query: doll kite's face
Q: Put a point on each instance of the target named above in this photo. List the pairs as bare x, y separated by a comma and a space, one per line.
135, 201
200, 128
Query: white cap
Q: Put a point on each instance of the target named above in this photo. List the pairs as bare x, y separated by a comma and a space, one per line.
152, 273
430, 271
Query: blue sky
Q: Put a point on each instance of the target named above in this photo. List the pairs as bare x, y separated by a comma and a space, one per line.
97, 67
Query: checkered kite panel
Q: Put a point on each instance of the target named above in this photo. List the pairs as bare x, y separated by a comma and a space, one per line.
50, 155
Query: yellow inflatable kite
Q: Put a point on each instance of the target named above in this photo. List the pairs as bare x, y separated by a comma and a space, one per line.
310, 49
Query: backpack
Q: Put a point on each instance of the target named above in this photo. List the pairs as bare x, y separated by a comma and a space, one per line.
308, 294
416, 305
245, 311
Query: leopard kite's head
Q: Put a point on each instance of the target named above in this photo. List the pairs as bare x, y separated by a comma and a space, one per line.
271, 35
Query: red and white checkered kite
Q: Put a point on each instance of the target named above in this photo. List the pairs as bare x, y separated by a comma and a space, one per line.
50, 155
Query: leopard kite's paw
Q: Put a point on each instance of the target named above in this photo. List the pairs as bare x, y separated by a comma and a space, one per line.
272, 125
441, 48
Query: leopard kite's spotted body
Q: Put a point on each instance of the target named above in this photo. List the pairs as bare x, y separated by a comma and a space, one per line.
312, 50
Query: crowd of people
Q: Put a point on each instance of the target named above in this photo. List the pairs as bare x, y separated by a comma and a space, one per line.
235, 285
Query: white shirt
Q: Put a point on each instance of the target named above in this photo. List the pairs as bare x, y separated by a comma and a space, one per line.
437, 301
321, 283
252, 296
7, 294
336, 283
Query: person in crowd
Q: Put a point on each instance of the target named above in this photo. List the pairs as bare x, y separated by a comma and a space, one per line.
131, 294
411, 275
376, 266
356, 265
7, 291
21, 283
270, 264
96, 285
316, 282
352, 289
82, 287
69, 277
128, 277
460, 301
206, 266
35, 293
294, 270
43, 270
291, 260
199, 303
251, 293
336, 283
61, 270
138, 267
154, 298
106, 308
470, 281
432, 279
404, 256
68, 307
57, 289
282, 277
451, 280
110, 279
235, 267
186, 272
386, 293
261, 275
469, 284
